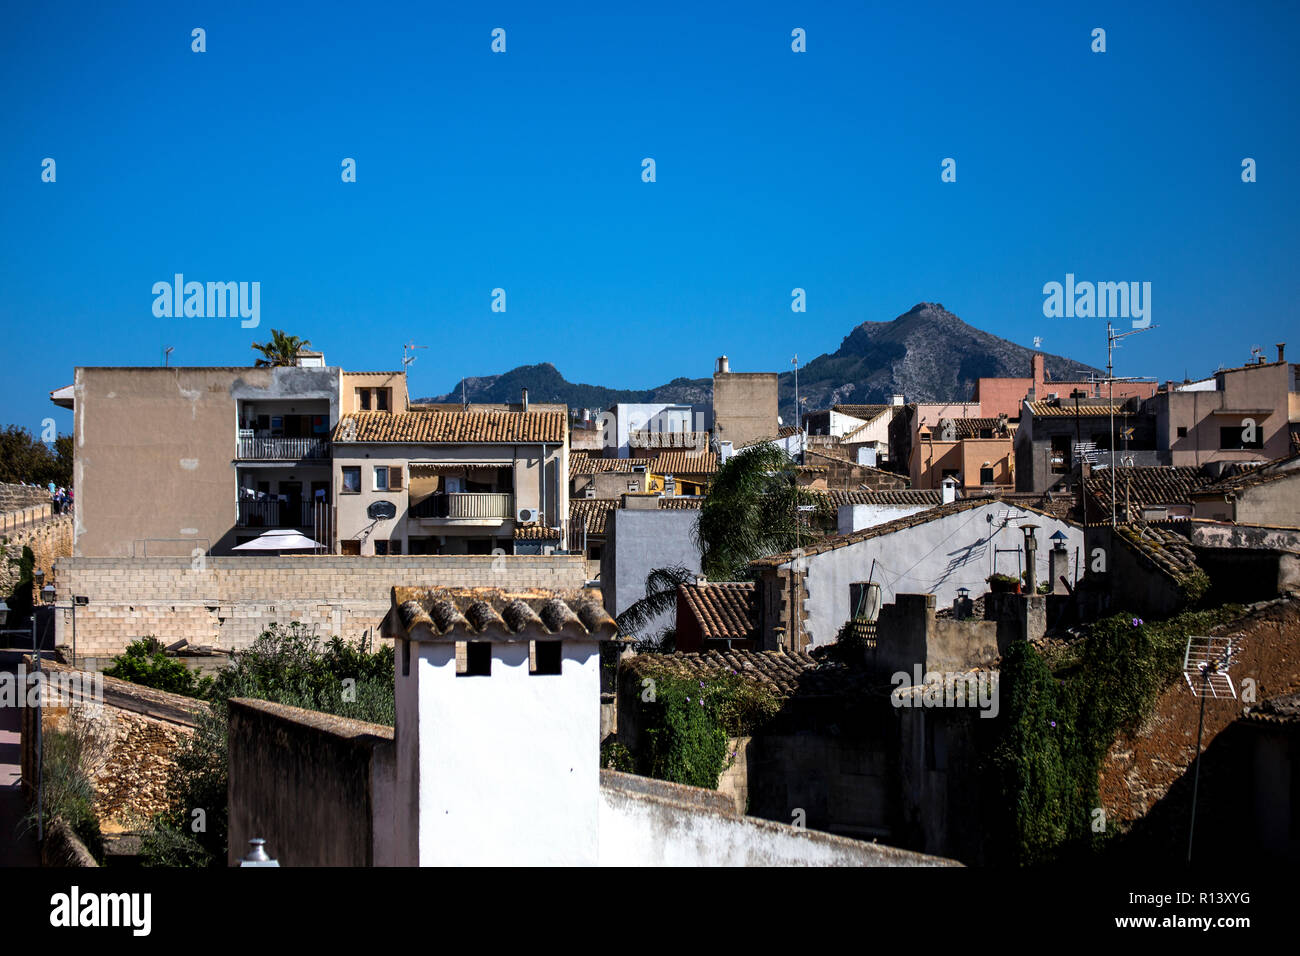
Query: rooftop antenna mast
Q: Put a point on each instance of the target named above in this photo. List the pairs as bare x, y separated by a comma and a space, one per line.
410, 347
1112, 337
1205, 667
167, 355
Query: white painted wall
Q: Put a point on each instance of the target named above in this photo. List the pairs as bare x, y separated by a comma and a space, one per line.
640, 831
510, 762
936, 558
664, 416
857, 517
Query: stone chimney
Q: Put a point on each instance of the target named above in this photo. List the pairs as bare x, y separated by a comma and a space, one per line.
1281, 351
723, 366
949, 486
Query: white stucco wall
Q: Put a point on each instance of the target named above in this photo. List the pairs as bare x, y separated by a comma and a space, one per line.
936, 557
636, 830
511, 761
857, 517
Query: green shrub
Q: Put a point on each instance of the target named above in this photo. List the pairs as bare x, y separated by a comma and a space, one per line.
686, 725
145, 662
1056, 728
287, 665
614, 756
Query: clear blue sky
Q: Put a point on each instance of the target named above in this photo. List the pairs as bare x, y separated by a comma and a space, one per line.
523, 171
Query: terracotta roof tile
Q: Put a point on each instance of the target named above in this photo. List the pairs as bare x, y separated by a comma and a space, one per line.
684, 463
1248, 478
432, 428
1089, 408
656, 438
535, 532
894, 496
453, 612
1144, 486
724, 610
784, 674
596, 511
582, 464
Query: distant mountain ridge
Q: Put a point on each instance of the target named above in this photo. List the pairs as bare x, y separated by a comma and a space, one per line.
925, 354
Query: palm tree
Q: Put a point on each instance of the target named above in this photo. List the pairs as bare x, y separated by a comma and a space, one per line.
752, 511
281, 350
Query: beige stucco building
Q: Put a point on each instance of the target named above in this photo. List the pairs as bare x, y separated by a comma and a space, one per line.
197, 461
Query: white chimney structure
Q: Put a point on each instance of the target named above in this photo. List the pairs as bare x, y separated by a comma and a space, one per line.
497, 702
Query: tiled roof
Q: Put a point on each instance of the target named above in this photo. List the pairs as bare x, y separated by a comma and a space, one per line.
655, 438
783, 673
471, 611
889, 496
724, 610
1089, 408
681, 502
594, 510
429, 428
1247, 478
1167, 551
832, 542
1145, 485
1276, 710
535, 532
684, 463
971, 427
582, 464
864, 412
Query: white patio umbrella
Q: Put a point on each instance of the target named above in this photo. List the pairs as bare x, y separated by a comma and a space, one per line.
278, 539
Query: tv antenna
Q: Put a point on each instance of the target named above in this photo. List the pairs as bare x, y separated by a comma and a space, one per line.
1205, 668
410, 347
1112, 343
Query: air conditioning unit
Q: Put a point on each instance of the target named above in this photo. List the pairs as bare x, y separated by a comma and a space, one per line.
527, 515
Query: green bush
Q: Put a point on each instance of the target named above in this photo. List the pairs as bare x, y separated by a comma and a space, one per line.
614, 756
146, 662
287, 665
686, 725
1056, 728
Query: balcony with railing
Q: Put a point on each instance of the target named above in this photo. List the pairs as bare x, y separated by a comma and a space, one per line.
471, 505
276, 514
252, 447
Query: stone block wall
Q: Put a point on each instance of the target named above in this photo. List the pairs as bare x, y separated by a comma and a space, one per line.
49, 540
17, 497
226, 602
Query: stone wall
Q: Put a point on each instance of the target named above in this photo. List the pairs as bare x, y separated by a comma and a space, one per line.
226, 602
135, 736
17, 497
318, 788
49, 540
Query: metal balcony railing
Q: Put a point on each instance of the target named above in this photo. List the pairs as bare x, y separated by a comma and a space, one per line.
281, 449
466, 504
276, 514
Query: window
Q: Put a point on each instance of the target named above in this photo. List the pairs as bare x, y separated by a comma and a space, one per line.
381, 399
363, 399
351, 479
1060, 455
1182, 431
394, 545
381, 478
477, 660
634, 486
422, 545
394, 478
352, 546
545, 657
1233, 437
381, 546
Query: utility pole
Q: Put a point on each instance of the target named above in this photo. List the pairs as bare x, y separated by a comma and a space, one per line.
795, 362
1113, 337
